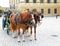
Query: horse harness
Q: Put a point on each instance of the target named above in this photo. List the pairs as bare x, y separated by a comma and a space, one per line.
22, 22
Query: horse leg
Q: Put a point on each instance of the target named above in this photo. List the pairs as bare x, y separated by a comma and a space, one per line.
31, 33
8, 31
35, 32
13, 34
18, 35
40, 18
23, 36
28, 32
28, 35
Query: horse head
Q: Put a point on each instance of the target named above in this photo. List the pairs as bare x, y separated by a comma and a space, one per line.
36, 17
12, 18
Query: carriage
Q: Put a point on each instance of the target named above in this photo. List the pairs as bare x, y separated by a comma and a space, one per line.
23, 20
5, 21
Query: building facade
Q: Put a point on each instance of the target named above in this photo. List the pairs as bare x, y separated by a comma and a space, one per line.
46, 7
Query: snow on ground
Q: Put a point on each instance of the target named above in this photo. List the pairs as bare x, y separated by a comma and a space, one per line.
48, 34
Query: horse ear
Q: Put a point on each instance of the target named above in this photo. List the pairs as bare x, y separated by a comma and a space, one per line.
11, 15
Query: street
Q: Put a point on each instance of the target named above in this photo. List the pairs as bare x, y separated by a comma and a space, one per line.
48, 34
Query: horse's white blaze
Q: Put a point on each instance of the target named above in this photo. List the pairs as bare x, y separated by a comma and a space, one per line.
33, 18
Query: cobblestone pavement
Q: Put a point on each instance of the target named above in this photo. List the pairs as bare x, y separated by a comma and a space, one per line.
48, 34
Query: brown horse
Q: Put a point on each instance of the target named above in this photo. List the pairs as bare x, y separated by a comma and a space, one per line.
36, 20
24, 21
21, 21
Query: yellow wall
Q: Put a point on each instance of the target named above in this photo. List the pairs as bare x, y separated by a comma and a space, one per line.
39, 6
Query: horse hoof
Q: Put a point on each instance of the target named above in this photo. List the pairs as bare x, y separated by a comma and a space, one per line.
18, 41
15, 36
30, 40
35, 39
7, 33
28, 36
23, 40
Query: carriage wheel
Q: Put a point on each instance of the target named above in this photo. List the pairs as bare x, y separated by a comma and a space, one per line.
8, 31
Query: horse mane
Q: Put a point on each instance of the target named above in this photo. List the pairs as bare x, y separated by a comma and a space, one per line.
24, 15
12, 14
11, 18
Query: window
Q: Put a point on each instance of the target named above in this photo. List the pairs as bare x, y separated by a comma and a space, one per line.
42, 11
48, 1
55, 1
34, 10
48, 11
55, 10
41, 1
34, 1
27, 1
